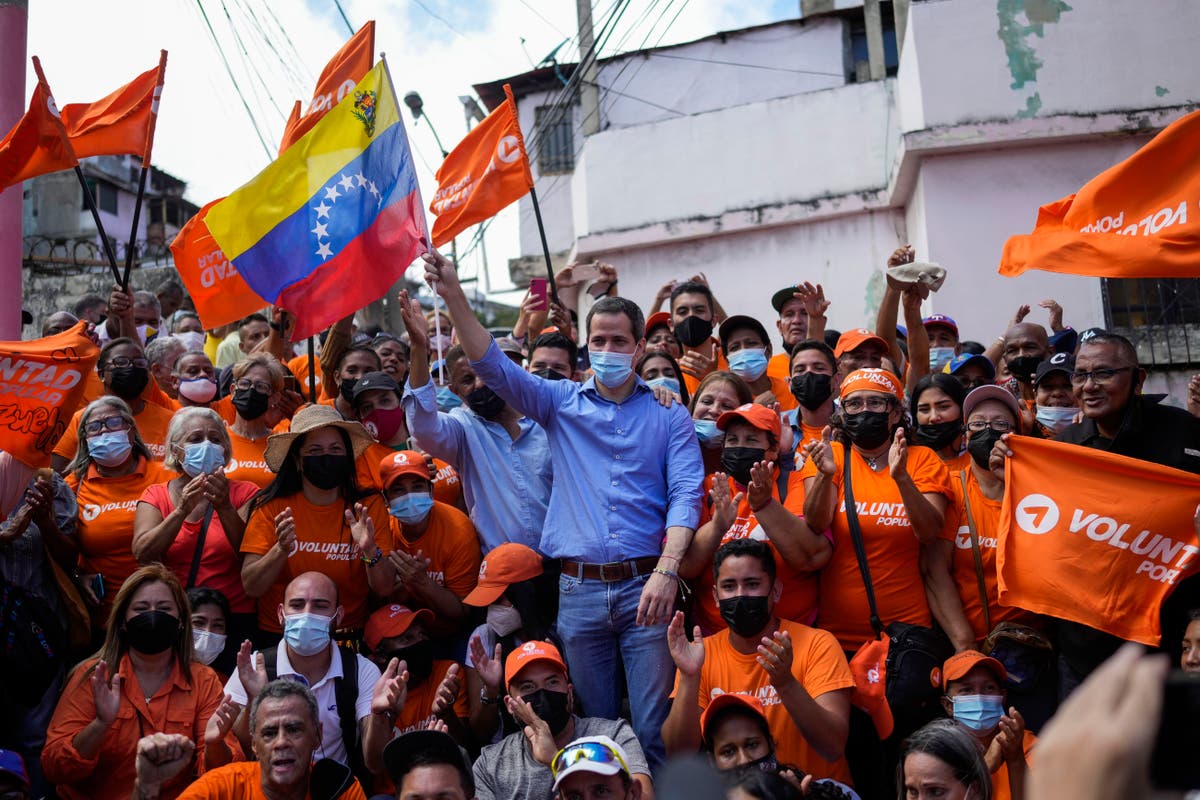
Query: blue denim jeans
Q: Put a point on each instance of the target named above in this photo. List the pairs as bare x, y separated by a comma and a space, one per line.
597, 623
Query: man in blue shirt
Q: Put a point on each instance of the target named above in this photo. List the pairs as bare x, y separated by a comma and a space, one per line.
623, 509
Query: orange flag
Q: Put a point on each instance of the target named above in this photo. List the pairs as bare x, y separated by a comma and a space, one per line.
1137, 219
123, 122
341, 75
488, 170
38, 143
214, 284
41, 384
1093, 537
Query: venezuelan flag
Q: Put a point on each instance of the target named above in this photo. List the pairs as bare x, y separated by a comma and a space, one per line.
331, 224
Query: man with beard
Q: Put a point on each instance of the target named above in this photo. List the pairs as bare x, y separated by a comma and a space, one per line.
540, 697
503, 457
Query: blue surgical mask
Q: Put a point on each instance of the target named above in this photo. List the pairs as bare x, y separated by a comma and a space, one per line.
707, 431
749, 365
1056, 418
110, 449
447, 399
979, 712
412, 507
307, 634
669, 383
202, 458
611, 368
939, 357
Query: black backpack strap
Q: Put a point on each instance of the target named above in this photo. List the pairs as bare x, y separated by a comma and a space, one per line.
270, 661
345, 693
195, 568
860, 551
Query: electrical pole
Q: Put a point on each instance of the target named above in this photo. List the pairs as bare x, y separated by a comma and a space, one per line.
589, 92
14, 18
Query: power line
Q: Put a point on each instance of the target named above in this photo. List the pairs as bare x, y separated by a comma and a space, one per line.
749, 66
345, 19
311, 79
538, 14
290, 72
229, 71
248, 65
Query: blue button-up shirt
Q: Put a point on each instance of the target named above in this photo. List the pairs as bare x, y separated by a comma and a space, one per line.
506, 481
623, 472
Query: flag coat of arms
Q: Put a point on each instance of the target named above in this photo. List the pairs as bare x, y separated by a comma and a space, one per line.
332, 223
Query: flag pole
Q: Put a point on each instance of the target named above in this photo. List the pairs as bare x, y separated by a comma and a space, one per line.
312, 371
141, 194
537, 213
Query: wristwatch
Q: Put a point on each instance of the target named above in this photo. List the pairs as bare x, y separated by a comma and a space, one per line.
488, 701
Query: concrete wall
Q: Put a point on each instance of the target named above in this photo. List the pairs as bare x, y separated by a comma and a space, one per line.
45, 293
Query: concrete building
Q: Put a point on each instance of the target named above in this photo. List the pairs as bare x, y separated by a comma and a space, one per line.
768, 155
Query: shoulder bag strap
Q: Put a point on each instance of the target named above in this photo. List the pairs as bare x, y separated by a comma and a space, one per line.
860, 551
983, 598
195, 569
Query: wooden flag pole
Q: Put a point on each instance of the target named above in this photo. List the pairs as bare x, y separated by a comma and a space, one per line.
537, 213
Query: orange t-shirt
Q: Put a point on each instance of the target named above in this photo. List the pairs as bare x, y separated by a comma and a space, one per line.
719, 362
299, 367
105, 526
242, 780
780, 366
818, 664
451, 545
962, 566
799, 599
151, 423
418, 705
959, 462
808, 433
447, 486
155, 394
323, 544
1000, 787
892, 549
247, 462
782, 389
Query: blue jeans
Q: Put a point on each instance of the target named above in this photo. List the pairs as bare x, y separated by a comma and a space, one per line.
597, 623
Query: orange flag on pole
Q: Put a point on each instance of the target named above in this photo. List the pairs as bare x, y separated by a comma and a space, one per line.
341, 75
38, 143
488, 170
1137, 219
1072, 547
41, 384
122, 122
220, 293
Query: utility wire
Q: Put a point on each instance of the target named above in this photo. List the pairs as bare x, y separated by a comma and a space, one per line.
259, 86
749, 66
345, 19
229, 71
538, 14
310, 78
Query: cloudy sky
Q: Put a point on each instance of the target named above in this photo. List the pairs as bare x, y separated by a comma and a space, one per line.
272, 50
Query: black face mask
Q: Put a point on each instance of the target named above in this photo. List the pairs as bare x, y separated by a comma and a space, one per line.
812, 389
1023, 367
980, 446
737, 461
486, 403
152, 632
127, 383
693, 331
868, 429
746, 615
550, 374
550, 706
938, 434
326, 471
418, 658
346, 390
250, 404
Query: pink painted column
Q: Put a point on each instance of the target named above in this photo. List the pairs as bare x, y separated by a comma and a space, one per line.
13, 18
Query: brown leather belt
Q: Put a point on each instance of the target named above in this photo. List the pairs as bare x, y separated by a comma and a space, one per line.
610, 572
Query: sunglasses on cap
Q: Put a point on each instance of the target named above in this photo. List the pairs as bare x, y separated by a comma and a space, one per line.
595, 752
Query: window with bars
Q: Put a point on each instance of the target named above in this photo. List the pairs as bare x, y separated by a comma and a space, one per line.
556, 142
1161, 316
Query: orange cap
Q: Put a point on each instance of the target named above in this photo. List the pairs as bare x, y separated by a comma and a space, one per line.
746, 701
503, 566
531, 653
958, 665
756, 415
656, 319
404, 462
853, 339
871, 379
391, 621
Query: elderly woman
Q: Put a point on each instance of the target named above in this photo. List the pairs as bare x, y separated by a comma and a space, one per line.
313, 517
111, 470
143, 680
257, 385
194, 522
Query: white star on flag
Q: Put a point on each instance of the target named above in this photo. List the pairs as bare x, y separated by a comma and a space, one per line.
323, 251
322, 230
332, 193
362, 180
322, 210
346, 182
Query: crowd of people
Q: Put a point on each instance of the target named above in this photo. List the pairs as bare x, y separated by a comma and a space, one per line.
438, 564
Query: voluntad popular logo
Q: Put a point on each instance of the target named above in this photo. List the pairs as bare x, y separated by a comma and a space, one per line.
1036, 513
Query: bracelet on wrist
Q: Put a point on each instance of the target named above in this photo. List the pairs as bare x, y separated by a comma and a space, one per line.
489, 701
373, 560
669, 573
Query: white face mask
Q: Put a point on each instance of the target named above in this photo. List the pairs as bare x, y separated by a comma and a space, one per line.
1056, 418
206, 646
192, 340
504, 620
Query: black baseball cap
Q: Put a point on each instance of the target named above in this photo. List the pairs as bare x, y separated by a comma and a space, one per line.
372, 381
1059, 362
740, 322
782, 296
417, 748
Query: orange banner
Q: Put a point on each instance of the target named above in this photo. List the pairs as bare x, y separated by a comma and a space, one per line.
341, 75
1137, 219
488, 170
1094, 538
37, 144
122, 122
41, 384
219, 292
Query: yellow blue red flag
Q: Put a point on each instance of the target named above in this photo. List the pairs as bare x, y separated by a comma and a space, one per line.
332, 223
